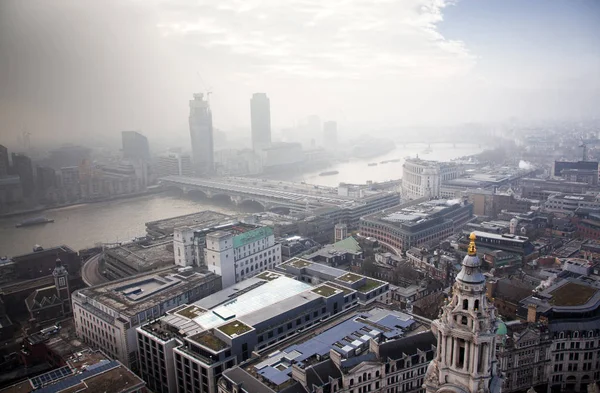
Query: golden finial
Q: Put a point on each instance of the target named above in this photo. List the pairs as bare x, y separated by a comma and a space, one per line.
472, 249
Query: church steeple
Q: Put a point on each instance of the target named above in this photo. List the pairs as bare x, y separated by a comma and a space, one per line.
466, 349
61, 282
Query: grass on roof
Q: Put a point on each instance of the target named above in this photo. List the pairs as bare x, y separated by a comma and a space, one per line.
210, 341
299, 263
370, 285
269, 276
350, 277
234, 328
342, 288
190, 312
324, 290
572, 294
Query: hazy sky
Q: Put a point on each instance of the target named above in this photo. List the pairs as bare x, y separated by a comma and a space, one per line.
93, 68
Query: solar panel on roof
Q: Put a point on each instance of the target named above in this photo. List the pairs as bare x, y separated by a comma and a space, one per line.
51, 376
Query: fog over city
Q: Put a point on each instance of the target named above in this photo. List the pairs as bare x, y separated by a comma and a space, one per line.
85, 70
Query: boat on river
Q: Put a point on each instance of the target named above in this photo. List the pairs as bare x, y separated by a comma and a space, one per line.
329, 173
34, 221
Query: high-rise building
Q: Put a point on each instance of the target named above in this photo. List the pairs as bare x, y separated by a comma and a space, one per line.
201, 132
46, 178
260, 115
174, 164
4, 166
330, 134
466, 358
23, 167
135, 146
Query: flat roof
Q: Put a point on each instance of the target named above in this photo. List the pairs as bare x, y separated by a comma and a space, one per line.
144, 255
123, 295
572, 294
99, 376
257, 298
52, 251
344, 337
204, 219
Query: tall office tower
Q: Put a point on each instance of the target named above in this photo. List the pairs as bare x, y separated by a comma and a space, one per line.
135, 146
330, 134
173, 164
466, 333
4, 167
201, 132
23, 167
260, 116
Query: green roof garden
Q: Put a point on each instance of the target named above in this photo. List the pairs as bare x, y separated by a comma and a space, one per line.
370, 285
324, 290
191, 312
299, 263
269, 276
350, 277
234, 328
572, 294
209, 340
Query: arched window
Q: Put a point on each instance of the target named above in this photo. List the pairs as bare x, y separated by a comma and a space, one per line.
351, 381
247, 271
476, 304
575, 334
465, 304
376, 373
364, 376
464, 320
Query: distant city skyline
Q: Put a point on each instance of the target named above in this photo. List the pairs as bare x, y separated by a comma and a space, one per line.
377, 64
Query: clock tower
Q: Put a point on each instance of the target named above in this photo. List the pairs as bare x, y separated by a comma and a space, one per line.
466, 336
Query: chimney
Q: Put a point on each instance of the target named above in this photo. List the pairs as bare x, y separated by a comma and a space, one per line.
531, 313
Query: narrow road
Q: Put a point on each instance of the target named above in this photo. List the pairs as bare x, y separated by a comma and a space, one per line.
90, 272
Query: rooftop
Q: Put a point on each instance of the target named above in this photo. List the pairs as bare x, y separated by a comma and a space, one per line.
572, 294
144, 255
240, 300
234, 328
350, 277
47, 252
411, 214
203, 219
190, 311
209, 340
370, 285
325, 290
88, 372
347, 337
131, 296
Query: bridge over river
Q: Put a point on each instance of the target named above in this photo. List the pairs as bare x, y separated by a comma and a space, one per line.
268, 193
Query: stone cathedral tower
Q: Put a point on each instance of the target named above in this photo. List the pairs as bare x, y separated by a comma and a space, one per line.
466, 336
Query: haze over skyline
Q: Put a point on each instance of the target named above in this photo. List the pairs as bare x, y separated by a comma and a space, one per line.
80, 69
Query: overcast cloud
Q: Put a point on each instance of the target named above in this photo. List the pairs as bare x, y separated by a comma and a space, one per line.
89, 69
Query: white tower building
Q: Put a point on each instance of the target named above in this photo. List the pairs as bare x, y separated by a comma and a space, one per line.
466, 334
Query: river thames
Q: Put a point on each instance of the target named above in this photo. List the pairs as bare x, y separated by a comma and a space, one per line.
84, 225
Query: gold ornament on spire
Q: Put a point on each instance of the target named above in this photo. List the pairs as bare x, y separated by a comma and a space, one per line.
472, 248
